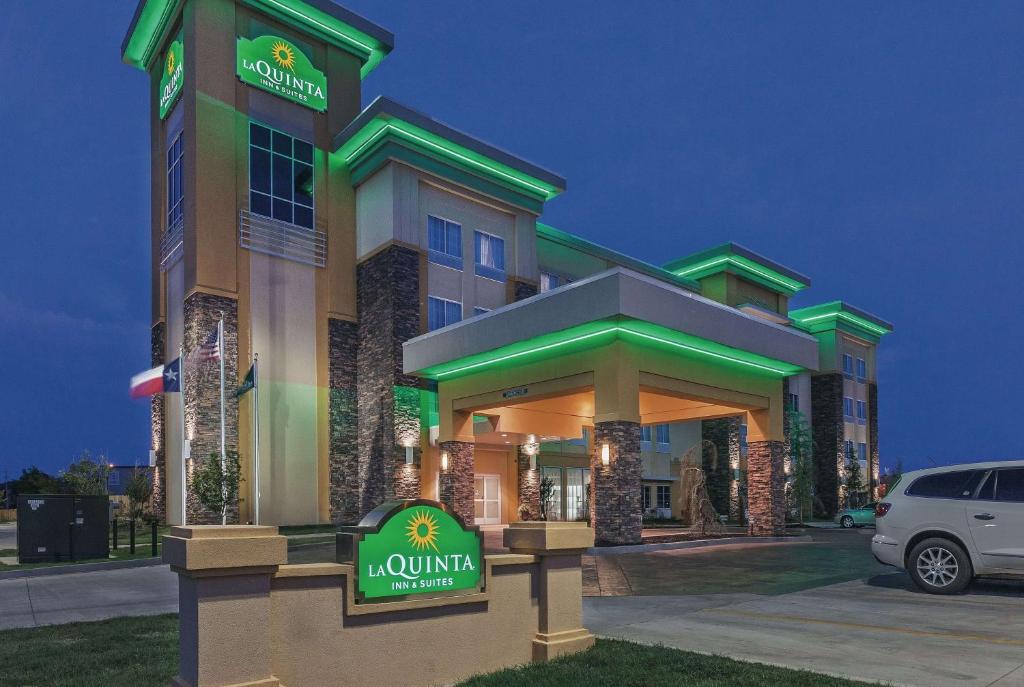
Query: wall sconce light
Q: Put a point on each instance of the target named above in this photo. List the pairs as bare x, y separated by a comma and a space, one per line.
408, 455
444, 461
606, 454
533, 462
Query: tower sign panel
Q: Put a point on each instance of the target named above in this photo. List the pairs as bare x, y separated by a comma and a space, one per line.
412, 547
274, 64
172, 77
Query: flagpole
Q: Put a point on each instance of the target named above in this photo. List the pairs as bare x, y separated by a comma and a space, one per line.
256, 433
223, 454
181, 404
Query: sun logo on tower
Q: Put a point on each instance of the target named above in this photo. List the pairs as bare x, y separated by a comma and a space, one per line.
170, 62
422, 531
284, 55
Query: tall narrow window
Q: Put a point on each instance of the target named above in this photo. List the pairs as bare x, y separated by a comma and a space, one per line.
444, 242
645, 437
280, 176
645, 497
848, 407
175, 192
548, 281
490, 256
847, 365
664, 496
862, 412
862, 370
442, 312
661, 435
862, 451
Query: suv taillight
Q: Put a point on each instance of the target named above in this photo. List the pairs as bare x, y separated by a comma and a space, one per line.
881, 509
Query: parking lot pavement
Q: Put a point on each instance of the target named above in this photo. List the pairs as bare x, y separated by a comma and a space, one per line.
34, 601
876, 627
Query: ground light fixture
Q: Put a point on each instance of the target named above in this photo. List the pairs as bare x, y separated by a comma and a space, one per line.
444, 461
606, 451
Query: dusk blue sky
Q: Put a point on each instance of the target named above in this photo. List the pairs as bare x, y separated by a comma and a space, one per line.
876, 147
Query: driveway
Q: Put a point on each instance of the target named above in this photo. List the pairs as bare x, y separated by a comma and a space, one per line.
824, 606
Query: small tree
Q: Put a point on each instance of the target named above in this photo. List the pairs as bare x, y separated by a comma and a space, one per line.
35, 481
138, 490
801, 457
86, 476
547, 493
854, 480
217, 488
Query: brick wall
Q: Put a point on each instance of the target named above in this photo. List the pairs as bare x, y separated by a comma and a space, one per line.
202, 397
615, 506
827, 432
724, 433
456, 483
157, 439
529, 484
343, 339
873, 466
766, 488
388, 303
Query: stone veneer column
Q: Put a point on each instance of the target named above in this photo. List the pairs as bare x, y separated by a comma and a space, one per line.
766, 488
529, 485
615, 507
343, 344
827, 433
388, 302
202, 397
873, 466
724, 434
456, 483
157, 437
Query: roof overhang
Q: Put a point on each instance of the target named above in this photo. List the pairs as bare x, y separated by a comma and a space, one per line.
616, 304
743, 262
838, 315
387, 129
321, 19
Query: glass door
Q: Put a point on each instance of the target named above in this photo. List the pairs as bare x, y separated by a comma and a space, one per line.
577, 485
487, 499
554, 502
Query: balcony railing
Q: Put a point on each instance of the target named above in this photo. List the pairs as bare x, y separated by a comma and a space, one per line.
171, 245
282, 239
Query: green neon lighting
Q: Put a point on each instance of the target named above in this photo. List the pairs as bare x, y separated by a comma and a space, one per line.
841, 315
593, 333
742, 263
153, 19
378, 128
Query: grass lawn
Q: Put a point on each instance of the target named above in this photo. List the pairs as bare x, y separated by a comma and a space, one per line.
139, 652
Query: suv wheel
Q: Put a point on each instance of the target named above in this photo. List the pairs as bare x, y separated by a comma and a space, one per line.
939, 566
846, 521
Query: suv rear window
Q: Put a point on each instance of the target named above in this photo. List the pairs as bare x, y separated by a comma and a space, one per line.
947, 485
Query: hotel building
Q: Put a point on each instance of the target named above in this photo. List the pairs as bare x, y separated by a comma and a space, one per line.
420, 331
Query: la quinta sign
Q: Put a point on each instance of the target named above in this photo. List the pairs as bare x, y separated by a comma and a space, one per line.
172, 77
276, 65
412, 547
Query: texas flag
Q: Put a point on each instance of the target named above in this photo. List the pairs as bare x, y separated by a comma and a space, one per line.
162, 379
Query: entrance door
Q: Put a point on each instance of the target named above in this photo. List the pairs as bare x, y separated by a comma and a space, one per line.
487, 499
577, 483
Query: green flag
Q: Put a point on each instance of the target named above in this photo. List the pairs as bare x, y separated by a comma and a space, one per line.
248, 383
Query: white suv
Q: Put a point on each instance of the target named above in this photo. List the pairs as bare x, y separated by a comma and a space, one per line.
947, 525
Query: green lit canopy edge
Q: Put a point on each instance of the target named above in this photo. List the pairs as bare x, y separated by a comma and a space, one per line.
385, 122
549, 233
839, 315
602, 332
321, 18
732, 257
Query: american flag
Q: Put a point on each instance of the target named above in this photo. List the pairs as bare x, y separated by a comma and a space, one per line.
209, 349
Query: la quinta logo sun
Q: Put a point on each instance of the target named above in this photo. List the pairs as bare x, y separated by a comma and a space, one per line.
274, 64
419, 549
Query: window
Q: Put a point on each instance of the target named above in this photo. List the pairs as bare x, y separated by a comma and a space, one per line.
847, 365
862, 451
444, 242
480, 311
175, 191
664, 497
862, 412
862, 370
662, 437
645, 437
793, 402
548, 281
280, 176
442, 312
848, 407
1010, 485
490, 256
114, 478
959, 484
848, 450
645, 498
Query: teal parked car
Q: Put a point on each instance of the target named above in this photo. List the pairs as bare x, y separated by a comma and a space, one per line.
857, 517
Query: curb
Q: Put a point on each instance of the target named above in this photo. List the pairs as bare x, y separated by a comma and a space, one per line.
81, 568
697, 544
